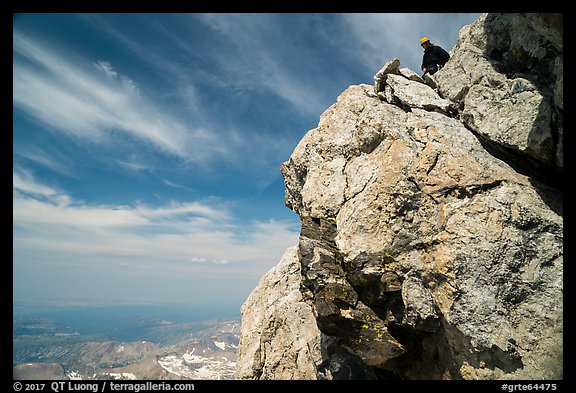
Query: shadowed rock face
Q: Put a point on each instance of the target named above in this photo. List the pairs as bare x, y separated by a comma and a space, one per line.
427, 250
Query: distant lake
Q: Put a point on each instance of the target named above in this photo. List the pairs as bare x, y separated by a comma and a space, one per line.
123, 322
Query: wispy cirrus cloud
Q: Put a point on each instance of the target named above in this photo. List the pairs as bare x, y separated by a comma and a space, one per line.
23, 181
249, 52
92, 102
261, 52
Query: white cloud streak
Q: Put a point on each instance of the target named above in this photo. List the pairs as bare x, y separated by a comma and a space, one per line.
257, 59
192, 237
51, 160
95, 105
23, 181
180, 75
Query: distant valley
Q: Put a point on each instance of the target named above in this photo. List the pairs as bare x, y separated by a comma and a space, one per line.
96, 344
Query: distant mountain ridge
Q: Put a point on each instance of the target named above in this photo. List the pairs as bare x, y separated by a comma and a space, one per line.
200, 350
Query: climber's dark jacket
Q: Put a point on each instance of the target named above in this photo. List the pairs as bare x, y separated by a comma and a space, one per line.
434, 58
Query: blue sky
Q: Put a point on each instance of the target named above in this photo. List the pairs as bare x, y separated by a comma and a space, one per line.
147, 147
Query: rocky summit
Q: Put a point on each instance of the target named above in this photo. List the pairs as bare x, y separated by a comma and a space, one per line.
431, 242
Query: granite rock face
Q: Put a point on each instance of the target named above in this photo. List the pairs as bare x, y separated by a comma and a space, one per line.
428, 250
504, 65
280, 339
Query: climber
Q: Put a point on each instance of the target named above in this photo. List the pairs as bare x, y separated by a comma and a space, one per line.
434, 57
